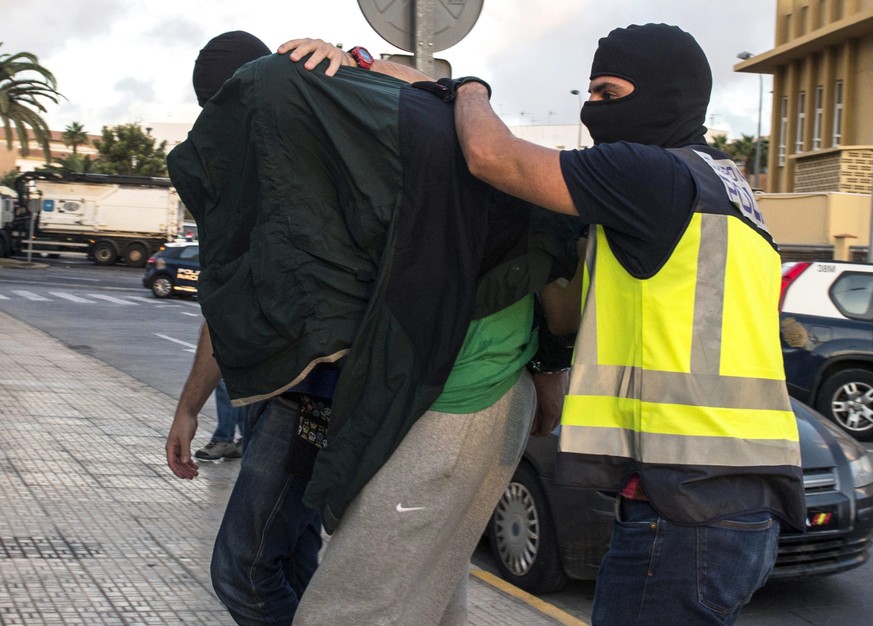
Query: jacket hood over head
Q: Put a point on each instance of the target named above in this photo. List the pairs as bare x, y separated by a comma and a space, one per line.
220, 58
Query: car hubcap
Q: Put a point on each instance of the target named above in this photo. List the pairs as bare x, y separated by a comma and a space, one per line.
517, 529
162, 287
853, 406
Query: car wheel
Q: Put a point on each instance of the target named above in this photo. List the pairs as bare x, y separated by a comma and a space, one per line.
847, 399
104, 253
162, 286
522, 536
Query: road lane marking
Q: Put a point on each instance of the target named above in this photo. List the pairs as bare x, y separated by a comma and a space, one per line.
112, 299
2, 297
146, 300
179, 341
70, 297
30, 296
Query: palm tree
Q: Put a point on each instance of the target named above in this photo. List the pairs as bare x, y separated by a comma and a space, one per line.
720, 142
72, 163
75, 135
20, 104
743, 152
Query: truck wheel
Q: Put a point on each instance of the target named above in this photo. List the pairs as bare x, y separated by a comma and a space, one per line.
104, 253
135, 255
847, 399
162, 286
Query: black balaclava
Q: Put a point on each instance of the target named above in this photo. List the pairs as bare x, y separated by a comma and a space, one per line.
672, 83
220, 58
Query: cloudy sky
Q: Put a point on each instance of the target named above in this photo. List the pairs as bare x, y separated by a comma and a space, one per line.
120, 61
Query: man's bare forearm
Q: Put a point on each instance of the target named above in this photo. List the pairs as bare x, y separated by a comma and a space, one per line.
203, 377
402, 72
495, 155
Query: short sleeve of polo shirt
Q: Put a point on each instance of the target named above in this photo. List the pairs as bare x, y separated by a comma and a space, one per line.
641, 195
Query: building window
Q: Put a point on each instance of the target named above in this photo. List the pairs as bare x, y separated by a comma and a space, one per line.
783, 130
819, 114
838, 113
801, 120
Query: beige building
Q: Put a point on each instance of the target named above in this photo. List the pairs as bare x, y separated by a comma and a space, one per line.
823, 225
821, 130
13, 160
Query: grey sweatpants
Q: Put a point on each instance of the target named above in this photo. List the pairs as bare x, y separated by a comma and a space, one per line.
401, 553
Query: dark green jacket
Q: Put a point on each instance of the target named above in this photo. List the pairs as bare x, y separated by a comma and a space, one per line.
337, 218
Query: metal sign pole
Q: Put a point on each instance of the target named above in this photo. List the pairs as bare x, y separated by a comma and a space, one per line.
30, 236
424, 29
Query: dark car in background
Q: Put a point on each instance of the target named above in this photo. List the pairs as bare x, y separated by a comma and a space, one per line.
174, 270
542, 534
826, 317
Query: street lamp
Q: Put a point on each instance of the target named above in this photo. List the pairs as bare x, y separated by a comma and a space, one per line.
578, 94
745, 56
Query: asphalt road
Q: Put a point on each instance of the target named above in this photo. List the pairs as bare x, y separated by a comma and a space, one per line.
107, 313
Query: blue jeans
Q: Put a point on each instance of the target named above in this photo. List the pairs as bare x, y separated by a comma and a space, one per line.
659, 573
228, 416
267, 547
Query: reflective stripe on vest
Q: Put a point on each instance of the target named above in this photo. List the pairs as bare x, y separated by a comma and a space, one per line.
677, 371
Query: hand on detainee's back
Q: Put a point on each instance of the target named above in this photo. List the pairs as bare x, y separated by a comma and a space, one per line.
321, 50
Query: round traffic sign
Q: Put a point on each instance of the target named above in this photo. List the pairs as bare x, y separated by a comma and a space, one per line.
394, 21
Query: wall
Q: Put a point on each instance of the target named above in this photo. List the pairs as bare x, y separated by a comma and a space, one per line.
818, 220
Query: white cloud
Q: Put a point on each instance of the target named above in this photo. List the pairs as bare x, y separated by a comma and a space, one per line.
120, 61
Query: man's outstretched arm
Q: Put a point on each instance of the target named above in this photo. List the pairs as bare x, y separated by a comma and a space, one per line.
201, 382
502, 160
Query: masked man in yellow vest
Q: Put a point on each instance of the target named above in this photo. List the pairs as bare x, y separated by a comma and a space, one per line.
677, 398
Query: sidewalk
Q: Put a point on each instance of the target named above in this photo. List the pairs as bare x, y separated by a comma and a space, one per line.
94, 529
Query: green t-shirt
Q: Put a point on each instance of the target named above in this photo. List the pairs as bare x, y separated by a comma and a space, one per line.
494, 352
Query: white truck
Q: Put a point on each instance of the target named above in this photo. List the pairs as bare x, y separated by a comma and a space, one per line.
107, 216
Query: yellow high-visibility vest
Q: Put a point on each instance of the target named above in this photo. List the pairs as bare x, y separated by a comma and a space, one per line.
679, 377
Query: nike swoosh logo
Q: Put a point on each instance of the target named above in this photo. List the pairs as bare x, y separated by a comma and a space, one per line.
403, 509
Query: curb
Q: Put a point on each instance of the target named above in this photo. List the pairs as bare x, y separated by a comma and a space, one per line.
543, 607
22, 265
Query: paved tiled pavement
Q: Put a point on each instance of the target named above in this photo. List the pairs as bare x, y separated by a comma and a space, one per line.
94, 529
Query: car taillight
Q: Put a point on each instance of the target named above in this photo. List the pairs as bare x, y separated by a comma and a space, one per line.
150, 262
789, 277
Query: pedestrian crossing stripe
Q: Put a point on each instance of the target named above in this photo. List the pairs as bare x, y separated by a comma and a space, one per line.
100, 296
90, 298
70, 297
30, 295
